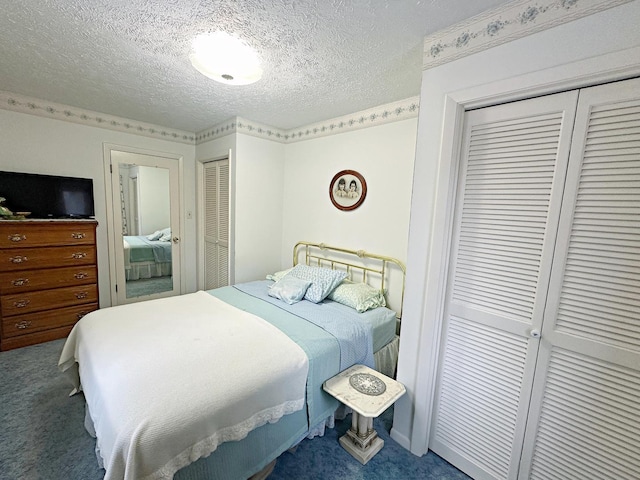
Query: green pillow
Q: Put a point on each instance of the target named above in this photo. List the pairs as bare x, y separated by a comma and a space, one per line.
360, 296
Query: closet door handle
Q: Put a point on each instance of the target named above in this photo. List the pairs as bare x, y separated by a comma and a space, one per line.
535, 333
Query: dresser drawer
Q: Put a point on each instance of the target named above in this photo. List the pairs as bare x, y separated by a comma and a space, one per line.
32, 258
40, 321
29, 280
8, 343
27, 234
27, 302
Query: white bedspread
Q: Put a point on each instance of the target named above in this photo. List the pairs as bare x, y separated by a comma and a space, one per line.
167, 381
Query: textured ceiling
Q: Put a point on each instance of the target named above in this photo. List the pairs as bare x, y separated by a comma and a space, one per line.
129, 58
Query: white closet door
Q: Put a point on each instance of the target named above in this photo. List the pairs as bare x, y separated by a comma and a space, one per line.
585, 412
508, 204
216, 224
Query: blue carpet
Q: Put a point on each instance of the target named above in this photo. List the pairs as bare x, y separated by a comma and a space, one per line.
147, 286
43, 436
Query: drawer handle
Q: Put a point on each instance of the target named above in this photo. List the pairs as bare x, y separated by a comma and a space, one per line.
23, 324
81, 275
21, 303
81, 314
78, 255
80, 295
17, 237
78, 235
20, 282
18, 259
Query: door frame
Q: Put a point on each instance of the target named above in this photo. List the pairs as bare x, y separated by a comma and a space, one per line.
113, 229
429, 243
201, 211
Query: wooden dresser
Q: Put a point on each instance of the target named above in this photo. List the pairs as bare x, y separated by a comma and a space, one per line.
48, 279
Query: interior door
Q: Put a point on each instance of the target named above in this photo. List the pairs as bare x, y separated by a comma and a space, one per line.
584, 421
216, 223
507, 209
146, 197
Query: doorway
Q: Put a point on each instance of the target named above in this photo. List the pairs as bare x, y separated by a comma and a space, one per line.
144, 224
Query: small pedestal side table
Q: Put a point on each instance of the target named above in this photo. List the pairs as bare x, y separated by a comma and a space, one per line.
368, 393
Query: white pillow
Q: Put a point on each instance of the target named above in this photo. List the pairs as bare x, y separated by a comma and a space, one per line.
278, 275
165, 235
155, 235
289, 289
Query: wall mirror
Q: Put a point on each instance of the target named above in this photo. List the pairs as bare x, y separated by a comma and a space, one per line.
146, 236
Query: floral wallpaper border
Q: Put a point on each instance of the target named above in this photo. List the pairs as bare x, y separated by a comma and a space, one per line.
19, 103
390, 112
506, 23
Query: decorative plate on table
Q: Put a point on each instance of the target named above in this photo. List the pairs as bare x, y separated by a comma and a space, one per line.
367, 384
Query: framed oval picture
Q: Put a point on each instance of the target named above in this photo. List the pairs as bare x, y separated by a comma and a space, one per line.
347, 190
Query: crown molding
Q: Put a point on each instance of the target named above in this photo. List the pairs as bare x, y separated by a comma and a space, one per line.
241, 125
509, 22
390, 112
387, 113
43, 108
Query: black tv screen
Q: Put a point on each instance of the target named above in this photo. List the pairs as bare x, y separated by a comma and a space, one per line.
47, 196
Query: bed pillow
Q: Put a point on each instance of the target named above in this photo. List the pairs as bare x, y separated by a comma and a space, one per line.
165, 235
360, 296
289, 289
323, 280
278, 275
155, 235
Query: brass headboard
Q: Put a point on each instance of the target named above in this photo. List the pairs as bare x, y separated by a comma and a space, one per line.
376, 270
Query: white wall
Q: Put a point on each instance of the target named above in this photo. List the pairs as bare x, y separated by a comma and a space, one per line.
153, 199
384, 156
259, 194
35, 144
281, 194
597, 48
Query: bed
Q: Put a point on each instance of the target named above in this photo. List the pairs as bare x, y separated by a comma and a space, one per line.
146, 256
218, 384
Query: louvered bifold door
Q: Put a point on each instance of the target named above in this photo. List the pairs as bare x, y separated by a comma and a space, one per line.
511, 177
585, 412
216, 224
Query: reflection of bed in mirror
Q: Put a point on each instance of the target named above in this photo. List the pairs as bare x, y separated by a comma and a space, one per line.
144, 258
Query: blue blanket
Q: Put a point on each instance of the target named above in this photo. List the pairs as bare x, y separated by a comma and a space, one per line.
354, 337
143, 250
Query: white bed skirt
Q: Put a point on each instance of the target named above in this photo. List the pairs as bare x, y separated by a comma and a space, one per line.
386, 359
138, 270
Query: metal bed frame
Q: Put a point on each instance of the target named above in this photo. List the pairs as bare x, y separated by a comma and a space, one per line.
372, 268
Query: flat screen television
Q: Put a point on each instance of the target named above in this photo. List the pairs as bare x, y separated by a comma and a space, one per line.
47, 196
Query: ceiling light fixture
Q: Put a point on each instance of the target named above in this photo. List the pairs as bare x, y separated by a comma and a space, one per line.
225, 59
